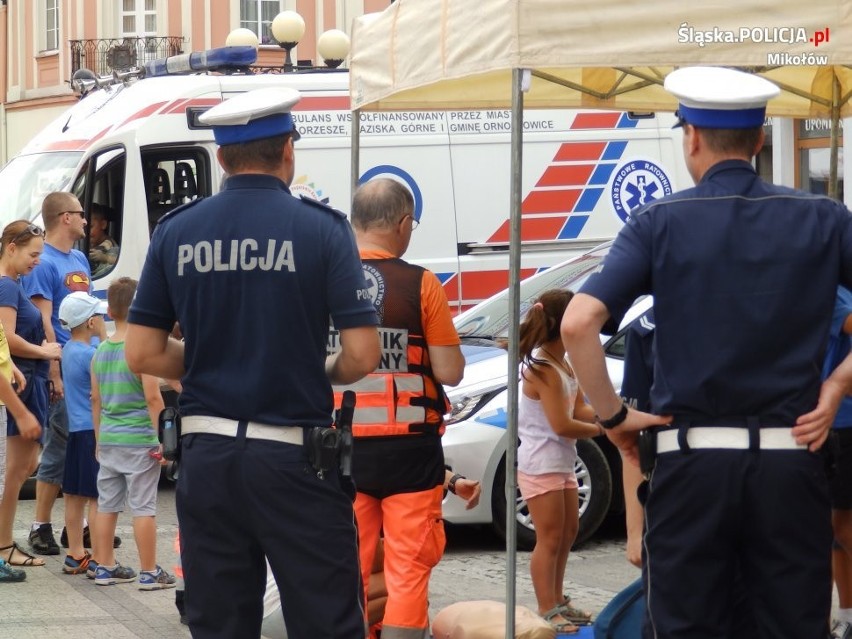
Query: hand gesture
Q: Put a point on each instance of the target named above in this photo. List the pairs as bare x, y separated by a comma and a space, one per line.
28, 426
51, 350
468, 490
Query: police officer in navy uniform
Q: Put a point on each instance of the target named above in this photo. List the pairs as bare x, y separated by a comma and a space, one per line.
252, 275
743, 275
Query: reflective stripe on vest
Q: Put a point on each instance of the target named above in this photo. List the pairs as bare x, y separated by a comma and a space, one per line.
384, 404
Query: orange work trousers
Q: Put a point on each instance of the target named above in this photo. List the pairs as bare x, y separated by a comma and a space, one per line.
414, 541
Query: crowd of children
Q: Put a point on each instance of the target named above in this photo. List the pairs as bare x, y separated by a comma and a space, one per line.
113, 455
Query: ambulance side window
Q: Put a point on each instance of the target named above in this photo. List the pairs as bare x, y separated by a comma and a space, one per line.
100, 189
173, 177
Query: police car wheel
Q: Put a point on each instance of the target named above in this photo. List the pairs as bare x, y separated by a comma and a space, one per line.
594, 476
595, 494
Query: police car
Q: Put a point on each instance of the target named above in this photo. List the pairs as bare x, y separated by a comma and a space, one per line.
475, 439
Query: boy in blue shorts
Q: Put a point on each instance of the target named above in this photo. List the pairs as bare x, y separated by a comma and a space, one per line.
83, 315
126, 409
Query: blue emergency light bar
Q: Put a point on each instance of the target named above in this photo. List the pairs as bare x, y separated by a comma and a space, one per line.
230, 58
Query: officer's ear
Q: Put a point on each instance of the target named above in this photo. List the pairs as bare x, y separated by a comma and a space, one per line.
760, 140
290, 150
692, 140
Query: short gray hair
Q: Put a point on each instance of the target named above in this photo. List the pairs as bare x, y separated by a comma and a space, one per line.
381, 202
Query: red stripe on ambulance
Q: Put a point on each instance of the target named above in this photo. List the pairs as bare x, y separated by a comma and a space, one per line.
326, 103
478, 285
595, 121
532, 228
566, 175
580, 151
560, 201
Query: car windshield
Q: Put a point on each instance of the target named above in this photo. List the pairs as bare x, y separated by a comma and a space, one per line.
489, 320
26, 179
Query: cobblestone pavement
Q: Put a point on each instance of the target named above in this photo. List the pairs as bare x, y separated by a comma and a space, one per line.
51, 605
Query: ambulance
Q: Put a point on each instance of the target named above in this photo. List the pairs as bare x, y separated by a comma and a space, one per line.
134, 144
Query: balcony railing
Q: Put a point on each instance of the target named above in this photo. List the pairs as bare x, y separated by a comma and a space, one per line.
105, 55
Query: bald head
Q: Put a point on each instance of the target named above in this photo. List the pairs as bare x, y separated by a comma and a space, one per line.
380, 204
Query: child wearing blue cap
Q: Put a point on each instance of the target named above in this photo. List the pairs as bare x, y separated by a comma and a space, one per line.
83, 314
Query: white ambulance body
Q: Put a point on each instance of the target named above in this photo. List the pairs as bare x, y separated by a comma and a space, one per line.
140, 150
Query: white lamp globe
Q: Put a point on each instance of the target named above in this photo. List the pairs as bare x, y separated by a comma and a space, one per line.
333, 47
241, 37
288, 26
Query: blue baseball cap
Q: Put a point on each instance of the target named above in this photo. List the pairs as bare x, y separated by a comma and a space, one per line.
253, 115
720, 98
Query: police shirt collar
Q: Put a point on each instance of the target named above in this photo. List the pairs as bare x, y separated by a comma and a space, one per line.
727, 165
254, 181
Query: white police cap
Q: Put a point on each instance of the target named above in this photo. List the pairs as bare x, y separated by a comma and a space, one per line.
719, 98
253, 115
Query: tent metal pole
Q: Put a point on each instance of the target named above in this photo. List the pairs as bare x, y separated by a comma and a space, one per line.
514, 320
355, 151
835, 139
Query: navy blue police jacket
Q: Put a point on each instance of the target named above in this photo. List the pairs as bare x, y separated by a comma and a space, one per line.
744, 275
253, 274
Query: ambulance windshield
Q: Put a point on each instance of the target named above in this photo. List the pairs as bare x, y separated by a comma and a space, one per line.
26, 179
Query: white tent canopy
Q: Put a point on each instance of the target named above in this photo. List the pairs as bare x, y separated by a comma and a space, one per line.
611, 54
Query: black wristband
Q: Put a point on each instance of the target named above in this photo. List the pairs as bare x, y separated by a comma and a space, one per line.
451, 485
615, 420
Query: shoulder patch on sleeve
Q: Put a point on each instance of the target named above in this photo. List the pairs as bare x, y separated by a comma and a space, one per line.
645, 324
322, 206
178, 210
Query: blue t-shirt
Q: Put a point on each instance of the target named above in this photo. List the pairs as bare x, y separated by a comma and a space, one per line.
56, 275
744, 277
838, 348
253, 274
28, 324
76, 376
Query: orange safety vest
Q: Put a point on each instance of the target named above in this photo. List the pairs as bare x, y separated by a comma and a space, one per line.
402, 397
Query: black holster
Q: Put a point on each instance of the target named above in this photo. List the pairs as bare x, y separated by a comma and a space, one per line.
647, 451
169, 429
331, 448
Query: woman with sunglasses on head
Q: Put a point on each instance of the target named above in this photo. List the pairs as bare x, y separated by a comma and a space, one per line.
21, 245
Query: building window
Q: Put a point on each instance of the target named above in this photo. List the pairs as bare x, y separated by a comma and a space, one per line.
257, 15
138, 17
51, 25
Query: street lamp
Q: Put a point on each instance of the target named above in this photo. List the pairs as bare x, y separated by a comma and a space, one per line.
333, 47
241, 37
288, 27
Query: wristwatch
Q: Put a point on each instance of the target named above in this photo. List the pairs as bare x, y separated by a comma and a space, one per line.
451, 485
615, 420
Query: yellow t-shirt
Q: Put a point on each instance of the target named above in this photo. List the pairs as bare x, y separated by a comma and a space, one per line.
5, 357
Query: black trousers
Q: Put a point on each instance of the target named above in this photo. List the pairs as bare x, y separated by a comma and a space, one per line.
730, 531
239, 500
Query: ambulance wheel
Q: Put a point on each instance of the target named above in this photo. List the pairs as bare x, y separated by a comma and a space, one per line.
595, 493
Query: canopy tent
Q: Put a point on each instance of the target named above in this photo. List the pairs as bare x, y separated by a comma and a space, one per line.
609, 54
452, 54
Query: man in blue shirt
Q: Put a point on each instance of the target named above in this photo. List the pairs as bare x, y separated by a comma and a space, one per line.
252, 275
62, 270
744, 276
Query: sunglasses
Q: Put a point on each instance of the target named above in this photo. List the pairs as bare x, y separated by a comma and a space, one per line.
80, 213
31, 231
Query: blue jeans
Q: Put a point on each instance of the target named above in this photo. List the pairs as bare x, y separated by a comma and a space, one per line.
52, 467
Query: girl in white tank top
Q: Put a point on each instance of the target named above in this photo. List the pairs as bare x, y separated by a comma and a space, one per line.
551, 417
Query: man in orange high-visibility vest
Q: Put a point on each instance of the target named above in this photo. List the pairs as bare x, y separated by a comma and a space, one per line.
398, 462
